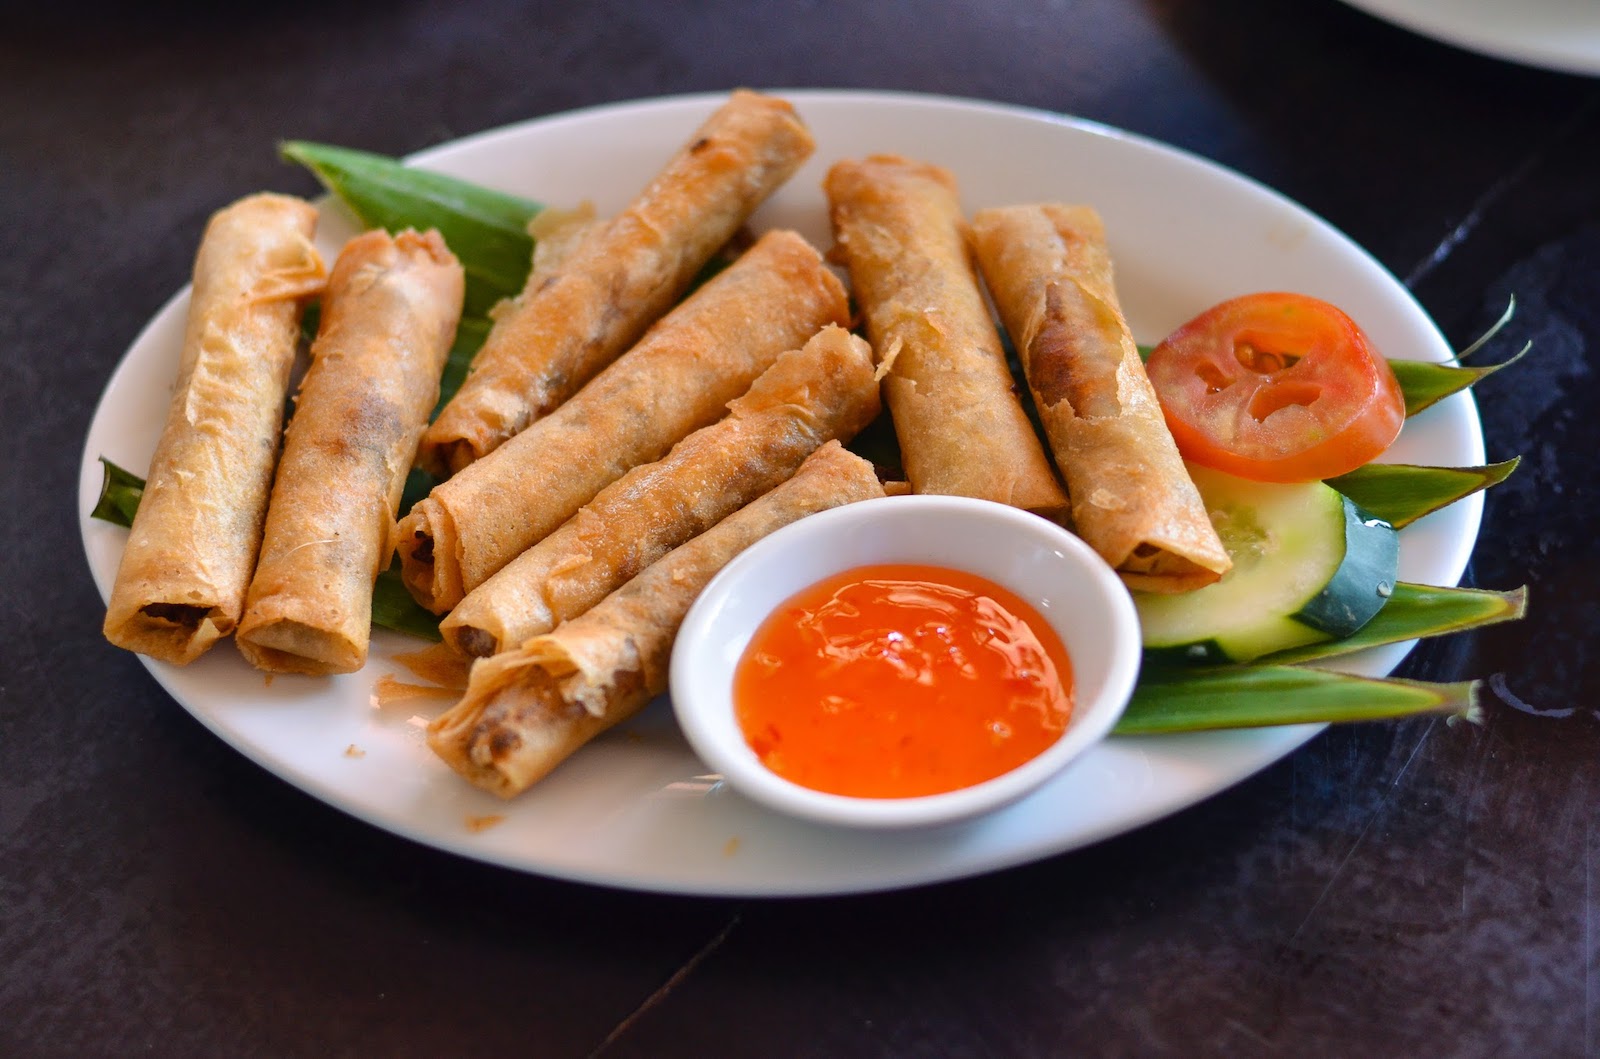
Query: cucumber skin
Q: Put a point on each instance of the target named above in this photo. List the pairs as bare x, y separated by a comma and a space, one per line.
1199, 653
1363, 582
1350, 598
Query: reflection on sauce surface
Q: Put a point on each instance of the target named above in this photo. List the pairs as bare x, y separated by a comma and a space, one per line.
898, 680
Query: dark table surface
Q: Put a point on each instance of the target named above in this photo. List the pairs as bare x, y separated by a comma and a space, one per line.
1388, 889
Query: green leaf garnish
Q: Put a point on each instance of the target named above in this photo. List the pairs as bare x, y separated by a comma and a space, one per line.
1275, 690
1494, 329
487, 230
1425, 383
1401, 493
1256, 696
1415, 612
120, 493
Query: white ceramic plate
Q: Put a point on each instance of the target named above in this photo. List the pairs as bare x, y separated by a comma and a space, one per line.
1562, 35
636, 809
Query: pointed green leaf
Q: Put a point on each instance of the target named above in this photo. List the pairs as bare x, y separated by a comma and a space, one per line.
120, 493
1426, 383
1259, 696
1417, 611
1494, 329
487, 230
1401, 493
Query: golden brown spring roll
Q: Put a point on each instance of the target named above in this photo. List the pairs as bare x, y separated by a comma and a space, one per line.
182, 581
961, 427
527, 710
567, 325
388, 319
679, 378
824, 390
556, 233
1049, 271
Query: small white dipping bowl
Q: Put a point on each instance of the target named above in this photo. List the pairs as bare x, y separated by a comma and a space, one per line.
1072, 588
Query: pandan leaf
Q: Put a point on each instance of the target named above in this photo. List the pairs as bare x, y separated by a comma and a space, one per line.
120, 493
1417, 611
1425, 383
1494, 329
487, 230
1259, 696
1401, 493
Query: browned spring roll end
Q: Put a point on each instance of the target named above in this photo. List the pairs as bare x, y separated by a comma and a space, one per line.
525, 728
181, 582
1049, 270
424, 530
388, 318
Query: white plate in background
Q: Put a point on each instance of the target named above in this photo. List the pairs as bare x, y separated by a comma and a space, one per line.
1560, 35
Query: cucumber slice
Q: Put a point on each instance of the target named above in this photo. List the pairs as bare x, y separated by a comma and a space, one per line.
1308, 566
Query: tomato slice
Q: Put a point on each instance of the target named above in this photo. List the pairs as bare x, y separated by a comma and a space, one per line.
1276, 387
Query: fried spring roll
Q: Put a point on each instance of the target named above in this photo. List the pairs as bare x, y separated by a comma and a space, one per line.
961, 428
1049, 270
680, 377
556, 232
388, 320
527, 710
181, 584
568, 324
811, 395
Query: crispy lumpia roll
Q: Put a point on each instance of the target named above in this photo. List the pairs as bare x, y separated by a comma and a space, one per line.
961, 427
556, 233
679, 378
1049, 271
388, 319
569, 323
527, 710
811, 395
181, 584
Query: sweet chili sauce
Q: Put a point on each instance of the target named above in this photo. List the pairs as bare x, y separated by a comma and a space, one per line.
899, 680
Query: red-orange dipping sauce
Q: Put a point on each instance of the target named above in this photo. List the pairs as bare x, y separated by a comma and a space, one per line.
899, 680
